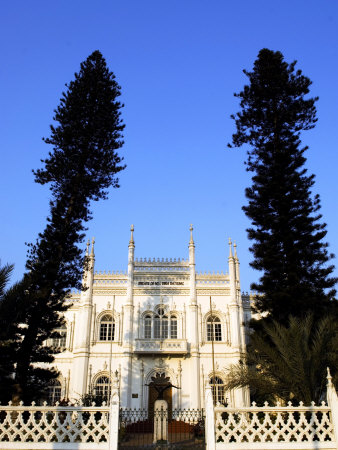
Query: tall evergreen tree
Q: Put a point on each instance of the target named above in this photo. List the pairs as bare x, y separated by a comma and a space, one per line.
80, 169
286, 231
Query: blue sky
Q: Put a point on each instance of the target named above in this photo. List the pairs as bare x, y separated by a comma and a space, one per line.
178, 63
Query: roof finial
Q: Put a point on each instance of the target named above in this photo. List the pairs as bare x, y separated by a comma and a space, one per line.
131, 234
87, 249
230, 246
191, 236
328, 377
92, 251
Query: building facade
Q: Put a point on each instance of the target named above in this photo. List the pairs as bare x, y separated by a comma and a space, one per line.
160, 319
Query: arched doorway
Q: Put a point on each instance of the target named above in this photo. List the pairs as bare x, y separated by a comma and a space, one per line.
159, 380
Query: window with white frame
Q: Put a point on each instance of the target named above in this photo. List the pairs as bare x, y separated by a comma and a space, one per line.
214, 328
160, 324
218, 390
54, 392
173, 327
107, 328
147, 326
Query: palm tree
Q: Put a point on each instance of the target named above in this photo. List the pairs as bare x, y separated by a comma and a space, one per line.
5, 273
288, 363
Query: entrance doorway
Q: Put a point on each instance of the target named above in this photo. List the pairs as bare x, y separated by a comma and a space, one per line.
153, 395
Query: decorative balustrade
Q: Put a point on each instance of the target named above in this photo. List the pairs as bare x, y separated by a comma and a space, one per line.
48, 426
284, 427
166, 346
109, 282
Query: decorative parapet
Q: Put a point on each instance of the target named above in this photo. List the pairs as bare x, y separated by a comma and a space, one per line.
161, 265
161, 261
166, 346
105, 282
216, 279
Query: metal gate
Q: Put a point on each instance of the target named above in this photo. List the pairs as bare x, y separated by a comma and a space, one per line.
179, 429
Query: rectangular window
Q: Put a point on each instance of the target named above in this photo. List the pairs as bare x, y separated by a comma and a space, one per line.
164, 334
214, 332
218, 331
157, 328
173, 329
103, 331
147, 328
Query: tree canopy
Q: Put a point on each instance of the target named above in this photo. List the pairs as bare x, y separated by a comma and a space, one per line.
288, 236
82, 166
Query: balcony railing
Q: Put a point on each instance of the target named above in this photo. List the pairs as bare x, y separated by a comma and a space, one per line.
177, 346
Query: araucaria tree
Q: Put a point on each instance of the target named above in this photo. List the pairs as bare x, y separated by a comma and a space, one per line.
286, 231
80, 169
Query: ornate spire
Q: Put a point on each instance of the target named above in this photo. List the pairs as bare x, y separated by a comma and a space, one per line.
328, 377
87, 249
92, 250
131, 242
230, 248
191, 242
235, 250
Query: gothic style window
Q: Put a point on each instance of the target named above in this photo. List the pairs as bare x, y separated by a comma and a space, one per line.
160, 324
173, 327
214, 329
217, 386
102, 387
147, 327
107, 328
54, 392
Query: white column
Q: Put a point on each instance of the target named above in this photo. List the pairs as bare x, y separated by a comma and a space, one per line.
209, 419
239, 300
234, 307
83, 328
127, 341
195, 399
332, 401
114, 410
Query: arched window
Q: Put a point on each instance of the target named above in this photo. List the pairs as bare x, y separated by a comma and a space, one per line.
160, 324
107, 328
147, 326
218, 392
173, 327
102, 388
214, 329
54, 392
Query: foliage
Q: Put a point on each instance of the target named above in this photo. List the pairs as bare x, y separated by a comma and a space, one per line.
80, 169
289, 362
7, 333
287, 235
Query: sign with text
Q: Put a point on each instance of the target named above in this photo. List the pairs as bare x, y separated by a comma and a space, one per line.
160, 283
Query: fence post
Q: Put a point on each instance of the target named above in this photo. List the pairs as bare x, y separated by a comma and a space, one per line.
114, 413
332, 401
209, 419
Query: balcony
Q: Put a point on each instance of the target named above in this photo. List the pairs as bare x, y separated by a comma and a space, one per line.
165, 346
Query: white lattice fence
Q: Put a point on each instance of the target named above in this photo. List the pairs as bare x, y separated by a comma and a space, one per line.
57, 427
275, 427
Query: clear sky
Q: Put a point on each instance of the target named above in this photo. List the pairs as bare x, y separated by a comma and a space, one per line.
178, 63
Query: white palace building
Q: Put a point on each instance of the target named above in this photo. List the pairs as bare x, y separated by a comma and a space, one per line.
161, 318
